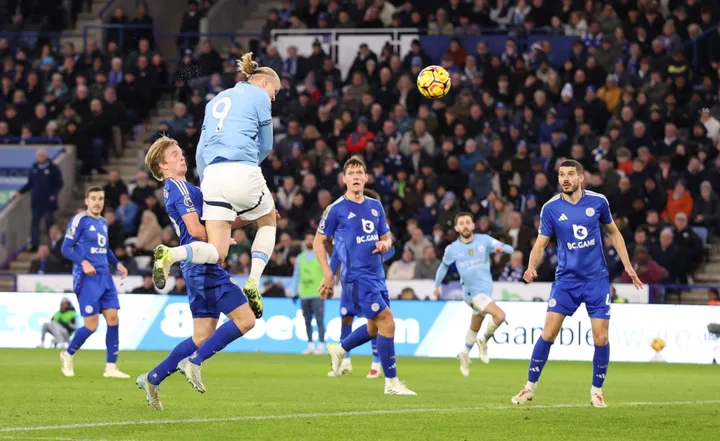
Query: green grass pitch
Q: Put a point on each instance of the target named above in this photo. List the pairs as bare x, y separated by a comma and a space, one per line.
289, 397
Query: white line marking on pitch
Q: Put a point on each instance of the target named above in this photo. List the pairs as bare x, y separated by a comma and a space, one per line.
344, 414
53, 438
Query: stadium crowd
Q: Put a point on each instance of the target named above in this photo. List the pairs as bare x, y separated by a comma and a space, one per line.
628, 103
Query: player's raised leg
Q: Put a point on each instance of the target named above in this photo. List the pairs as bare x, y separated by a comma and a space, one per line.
194, 252
149, 382
242, 320
541, 351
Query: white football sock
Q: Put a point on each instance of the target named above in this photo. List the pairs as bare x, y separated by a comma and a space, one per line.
470, 339
262, 248
197, 252
490, 329
110, 366
531, 386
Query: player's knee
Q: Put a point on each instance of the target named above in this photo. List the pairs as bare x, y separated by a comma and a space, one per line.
112, 320
549, 335
92, 327
347, 320
600, 338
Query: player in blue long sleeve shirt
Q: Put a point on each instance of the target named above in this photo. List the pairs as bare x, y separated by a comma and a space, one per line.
471, 255
86, 244
348, 311
236, 137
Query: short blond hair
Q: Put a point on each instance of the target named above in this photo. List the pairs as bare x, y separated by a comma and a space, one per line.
156, 156
250, 68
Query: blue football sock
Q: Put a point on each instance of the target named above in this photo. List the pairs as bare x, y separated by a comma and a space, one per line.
169, 365
345, 331
538, 359
112, 342
360, 336
601, 360
386, 349
223, 336
78, 340
376, 355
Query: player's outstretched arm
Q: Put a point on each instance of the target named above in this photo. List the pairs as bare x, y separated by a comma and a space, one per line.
536, 257
619, 245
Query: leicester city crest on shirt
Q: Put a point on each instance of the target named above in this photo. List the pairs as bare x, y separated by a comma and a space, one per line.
165, 193
374, 212
590, 212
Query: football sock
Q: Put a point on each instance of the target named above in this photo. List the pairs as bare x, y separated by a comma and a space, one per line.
345, 330
112, 342
601, 360
166, 367
376, 354
195, 252
360, 336
538, 359
490, 330
223, 336
470, 339
386, 349
262, 248
78, 340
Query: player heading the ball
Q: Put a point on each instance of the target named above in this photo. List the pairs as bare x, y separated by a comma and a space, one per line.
575, 216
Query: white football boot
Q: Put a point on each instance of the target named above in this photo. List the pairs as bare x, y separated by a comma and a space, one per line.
465, 361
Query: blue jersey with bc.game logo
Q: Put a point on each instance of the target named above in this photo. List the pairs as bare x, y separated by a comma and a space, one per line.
578, 228
355, 228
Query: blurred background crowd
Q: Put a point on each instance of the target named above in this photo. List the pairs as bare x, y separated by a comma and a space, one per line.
631, 101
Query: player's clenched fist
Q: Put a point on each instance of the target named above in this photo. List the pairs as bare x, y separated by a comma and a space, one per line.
530, 275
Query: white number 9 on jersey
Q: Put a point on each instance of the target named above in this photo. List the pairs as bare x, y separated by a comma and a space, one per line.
220, 115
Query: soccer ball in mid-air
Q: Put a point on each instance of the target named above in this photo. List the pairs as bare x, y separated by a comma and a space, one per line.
658, 344
433, 82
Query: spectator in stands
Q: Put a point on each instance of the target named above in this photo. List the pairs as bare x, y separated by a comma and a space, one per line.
403, 269
713, 297
647, 269
706, 209
428, 265
44, 182
514, 269
147, 286
679, 201
667, 254
128, 261
149, 234
690, 247
113, 189
127, 214
45, 263
142, 190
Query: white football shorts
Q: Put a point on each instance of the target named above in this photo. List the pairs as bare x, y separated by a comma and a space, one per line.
233, 189
479, 303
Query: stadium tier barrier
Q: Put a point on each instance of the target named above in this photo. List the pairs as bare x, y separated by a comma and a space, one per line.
422, 288
424, 329
15, 163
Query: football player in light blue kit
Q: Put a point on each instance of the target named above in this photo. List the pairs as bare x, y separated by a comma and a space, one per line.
471, 255
210, 288
236, 137
358, 226
576, 216
348, 312
86, 244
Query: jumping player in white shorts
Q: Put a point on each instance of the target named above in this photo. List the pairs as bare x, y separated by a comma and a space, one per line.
471, 254
236, 137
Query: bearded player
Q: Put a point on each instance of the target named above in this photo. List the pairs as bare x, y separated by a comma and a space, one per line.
575, 217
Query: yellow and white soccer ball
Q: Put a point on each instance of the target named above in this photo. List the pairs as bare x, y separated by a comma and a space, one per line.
434, 82
658, 344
